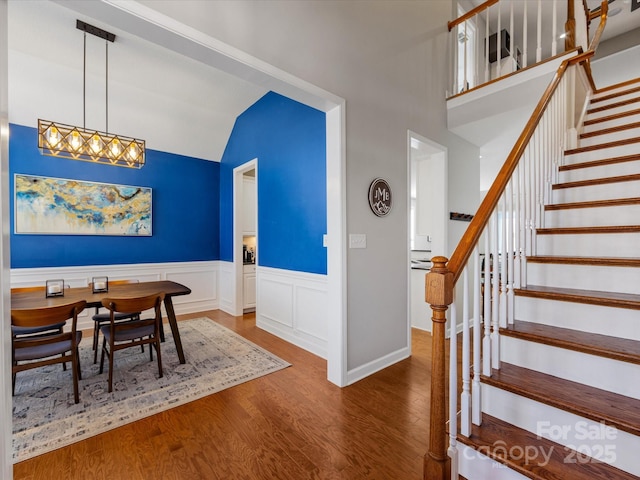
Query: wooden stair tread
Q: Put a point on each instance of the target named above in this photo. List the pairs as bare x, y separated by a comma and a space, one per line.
590, 148
573, 260
615, 202
599, 163
597, 181
615, 116
622, 349
589, 230
613, 409
591, 297
490, 439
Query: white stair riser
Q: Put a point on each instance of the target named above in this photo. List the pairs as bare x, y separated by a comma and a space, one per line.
620, 89
599, 372
595, 216
612, 123
610, 111
602, 171
611, 445
603, 191
597, 245
603, 153
473, 465
607, 137
620, 322
621, 96
585, 277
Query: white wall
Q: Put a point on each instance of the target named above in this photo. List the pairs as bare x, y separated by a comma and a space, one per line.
389, 60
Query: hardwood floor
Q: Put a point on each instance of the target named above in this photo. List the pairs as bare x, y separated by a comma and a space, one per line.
292, 424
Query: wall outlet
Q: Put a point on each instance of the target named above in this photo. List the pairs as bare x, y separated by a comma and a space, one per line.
357, 240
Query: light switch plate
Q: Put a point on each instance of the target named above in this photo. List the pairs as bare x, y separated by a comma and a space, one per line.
324, 240
357, 240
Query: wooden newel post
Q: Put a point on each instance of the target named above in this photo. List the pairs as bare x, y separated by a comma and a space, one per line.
438, 294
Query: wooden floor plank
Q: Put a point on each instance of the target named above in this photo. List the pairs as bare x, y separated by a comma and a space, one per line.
291, 424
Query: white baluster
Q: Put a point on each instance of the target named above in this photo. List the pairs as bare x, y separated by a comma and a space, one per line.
486, 48
465, 398
554, 42
525, 50
465, 66
539, 49
476, 398
517, 227
486, 340
510, 251
452, 451
502, 260
495, 336
499, 43
512, 47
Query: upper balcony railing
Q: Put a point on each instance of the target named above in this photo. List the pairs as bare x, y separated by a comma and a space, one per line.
500, 37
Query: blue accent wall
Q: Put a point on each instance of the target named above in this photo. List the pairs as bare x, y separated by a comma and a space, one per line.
185, 209
289, 141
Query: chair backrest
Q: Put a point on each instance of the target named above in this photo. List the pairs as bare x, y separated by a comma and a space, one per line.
135, 304
44, 316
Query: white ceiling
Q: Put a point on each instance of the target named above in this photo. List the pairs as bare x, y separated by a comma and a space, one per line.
154, 67
181, 105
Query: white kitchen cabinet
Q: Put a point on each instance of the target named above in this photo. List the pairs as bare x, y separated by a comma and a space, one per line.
249, 287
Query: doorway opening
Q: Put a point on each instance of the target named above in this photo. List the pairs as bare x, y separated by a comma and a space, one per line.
428, 220
245, 236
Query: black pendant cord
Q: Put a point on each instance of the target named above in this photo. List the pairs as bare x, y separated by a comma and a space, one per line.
84, 84
106, 86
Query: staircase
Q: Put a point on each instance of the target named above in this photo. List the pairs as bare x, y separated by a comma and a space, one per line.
565, 401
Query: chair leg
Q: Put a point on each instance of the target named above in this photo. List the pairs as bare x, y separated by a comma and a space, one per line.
157, 345
96, 334
110, 367
75, 368
104, 343
79, 368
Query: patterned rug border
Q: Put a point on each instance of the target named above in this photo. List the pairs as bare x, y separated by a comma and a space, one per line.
142, 409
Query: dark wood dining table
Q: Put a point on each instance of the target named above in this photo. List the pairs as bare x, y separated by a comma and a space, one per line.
36, 299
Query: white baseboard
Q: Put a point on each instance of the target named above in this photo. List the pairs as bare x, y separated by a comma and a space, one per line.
376, 365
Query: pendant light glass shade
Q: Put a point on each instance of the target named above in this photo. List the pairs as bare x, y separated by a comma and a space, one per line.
66, 141
78, 143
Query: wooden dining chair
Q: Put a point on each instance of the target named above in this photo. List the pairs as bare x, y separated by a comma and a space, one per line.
43, 347
15, 330
102, 318
132, 333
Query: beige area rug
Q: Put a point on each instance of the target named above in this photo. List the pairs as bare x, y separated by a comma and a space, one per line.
45, 416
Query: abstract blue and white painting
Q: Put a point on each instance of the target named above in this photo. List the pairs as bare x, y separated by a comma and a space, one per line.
61, 206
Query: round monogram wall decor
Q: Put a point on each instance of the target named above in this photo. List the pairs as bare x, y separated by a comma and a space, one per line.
380, 197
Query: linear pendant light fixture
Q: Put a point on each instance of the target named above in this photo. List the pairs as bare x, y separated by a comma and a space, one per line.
78, 143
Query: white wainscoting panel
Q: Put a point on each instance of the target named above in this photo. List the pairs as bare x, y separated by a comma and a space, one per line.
200, 277
293, 306
227, 289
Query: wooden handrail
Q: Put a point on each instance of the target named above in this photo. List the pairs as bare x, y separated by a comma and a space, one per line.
480, 8
595, 41
480, 219
441, 279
